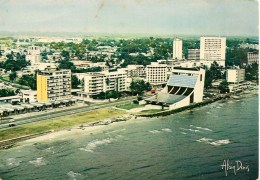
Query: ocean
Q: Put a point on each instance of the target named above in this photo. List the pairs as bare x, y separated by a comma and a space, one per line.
204, 143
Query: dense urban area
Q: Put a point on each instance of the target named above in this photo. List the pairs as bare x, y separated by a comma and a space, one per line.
45, 73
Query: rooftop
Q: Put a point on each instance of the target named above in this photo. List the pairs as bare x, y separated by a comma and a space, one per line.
182, 81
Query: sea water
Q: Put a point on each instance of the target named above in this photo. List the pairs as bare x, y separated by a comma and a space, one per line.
188, 145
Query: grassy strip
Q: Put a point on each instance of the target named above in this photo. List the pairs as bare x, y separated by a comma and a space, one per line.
59, 123
151, 111
129, 106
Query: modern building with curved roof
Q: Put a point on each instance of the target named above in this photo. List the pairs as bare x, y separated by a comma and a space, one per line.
184, 87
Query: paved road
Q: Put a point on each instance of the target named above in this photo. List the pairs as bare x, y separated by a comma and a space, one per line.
51, 115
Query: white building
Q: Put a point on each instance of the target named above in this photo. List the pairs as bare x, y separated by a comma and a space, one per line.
251, 46
29, 96
156, 74
193, 54
213, 49
34, 50
133, 71
34, 58
33, 54
235, 75
53, 85
184, 87
95, 83
252, 57
177, 49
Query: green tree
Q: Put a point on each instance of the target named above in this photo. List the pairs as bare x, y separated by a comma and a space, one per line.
208, 79
28, 80
12, 76
75, 81
215, 70
223, 86
139, 86
251, 72
6, 92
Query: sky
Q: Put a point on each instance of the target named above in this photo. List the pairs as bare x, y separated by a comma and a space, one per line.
191, 17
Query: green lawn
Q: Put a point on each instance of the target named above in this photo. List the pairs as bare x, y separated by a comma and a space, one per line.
129, 106
60, 123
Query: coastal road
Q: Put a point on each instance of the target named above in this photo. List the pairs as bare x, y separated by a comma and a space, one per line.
52, 115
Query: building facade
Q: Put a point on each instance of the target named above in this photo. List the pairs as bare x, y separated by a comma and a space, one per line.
235, 75
33, 54
193, 54
53, 85
213, 49
95, 83
252, 57
156, 74
29, 96
177, 49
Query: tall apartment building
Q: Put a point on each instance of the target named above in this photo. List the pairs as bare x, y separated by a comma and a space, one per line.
177, 49
95, 83
193, 54
252, 57
156, 73
53, 85
213, 49
235, 75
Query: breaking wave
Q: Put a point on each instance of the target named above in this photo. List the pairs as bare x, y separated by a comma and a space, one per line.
94, 144
213, 142
154, 131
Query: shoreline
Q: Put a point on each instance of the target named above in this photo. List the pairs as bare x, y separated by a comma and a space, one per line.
95, 125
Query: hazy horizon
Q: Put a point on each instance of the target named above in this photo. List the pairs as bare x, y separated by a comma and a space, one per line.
164, 17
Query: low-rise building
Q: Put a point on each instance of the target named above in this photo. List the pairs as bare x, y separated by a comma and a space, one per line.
252, 57
134, 71
235, 75
156, 74
193, 54
29, 96
53, 85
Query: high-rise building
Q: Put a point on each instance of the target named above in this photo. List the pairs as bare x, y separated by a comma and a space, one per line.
193, 54
53, 85
213, 49
177, 49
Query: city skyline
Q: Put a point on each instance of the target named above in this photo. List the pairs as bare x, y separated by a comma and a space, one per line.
132, 17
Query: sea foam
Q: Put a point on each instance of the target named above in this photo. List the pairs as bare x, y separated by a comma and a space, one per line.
94, 144
213, 142
205, 129
12, 162
154, 131
167, 130
73, 175
38, 162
